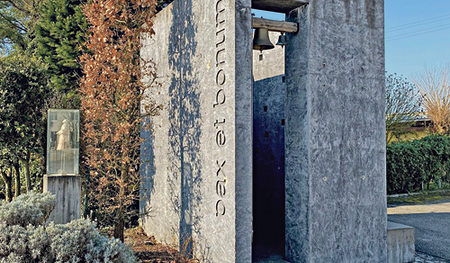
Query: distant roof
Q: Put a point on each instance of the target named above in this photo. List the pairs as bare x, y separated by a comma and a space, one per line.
417, 118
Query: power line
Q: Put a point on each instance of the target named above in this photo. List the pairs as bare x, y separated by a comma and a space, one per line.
420, 27
420, 32
425, 21
415, 25
417, 30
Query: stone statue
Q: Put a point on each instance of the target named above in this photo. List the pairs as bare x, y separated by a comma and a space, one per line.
63, 136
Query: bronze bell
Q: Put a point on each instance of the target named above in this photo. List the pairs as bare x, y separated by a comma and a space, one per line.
261, 40
282, 40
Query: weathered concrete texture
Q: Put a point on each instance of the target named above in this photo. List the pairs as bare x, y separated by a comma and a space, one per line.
68, 196
271, 63
197, 159
335, 139
268, 167
244, 130
160, 191
400, 243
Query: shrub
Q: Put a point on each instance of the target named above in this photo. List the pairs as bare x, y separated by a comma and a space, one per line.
24, 237
27, 209
411, 164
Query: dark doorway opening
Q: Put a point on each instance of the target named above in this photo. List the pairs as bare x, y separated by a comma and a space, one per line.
268, 169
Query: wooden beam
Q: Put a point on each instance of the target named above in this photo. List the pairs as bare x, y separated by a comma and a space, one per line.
281, 6
273, 25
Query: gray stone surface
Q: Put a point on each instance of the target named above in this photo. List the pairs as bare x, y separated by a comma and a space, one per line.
244, 130
197, 161
68, 194
400, 243
335, 141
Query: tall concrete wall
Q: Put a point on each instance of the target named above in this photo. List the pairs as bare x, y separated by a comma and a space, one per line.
197, 161
335, 134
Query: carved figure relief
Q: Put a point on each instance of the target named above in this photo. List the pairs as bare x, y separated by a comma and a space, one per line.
63, 136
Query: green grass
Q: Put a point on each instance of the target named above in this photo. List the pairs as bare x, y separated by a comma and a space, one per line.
421, 198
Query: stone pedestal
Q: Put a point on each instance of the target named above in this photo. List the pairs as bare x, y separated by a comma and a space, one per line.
68, 194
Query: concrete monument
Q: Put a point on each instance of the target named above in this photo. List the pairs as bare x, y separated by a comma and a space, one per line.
302, 154
62, 178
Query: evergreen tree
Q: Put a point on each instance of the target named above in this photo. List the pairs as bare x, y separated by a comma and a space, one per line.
59, 35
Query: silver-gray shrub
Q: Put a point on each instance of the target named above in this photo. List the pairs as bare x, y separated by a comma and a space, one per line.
27, 209
24, 237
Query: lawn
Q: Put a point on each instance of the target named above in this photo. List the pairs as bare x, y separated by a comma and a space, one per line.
421, 198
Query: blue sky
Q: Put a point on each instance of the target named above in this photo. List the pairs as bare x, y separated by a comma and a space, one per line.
417, 35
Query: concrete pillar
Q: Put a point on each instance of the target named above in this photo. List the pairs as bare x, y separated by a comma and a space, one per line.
335, 133
68, 193
197, 172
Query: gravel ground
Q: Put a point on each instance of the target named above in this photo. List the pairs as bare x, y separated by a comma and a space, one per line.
424, 258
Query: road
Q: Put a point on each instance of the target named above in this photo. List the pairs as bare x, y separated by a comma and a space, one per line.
431, 223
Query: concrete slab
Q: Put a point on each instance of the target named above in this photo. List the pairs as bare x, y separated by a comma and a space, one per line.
400, 243
431, 224
282, 6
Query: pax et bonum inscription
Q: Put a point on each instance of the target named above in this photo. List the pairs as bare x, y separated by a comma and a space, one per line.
219, 101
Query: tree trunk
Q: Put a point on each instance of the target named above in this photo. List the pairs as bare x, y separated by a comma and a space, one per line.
8, 181
26, 163
17, 180
86, 196
119, 229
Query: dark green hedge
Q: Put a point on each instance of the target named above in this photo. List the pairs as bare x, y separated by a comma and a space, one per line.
409, 164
